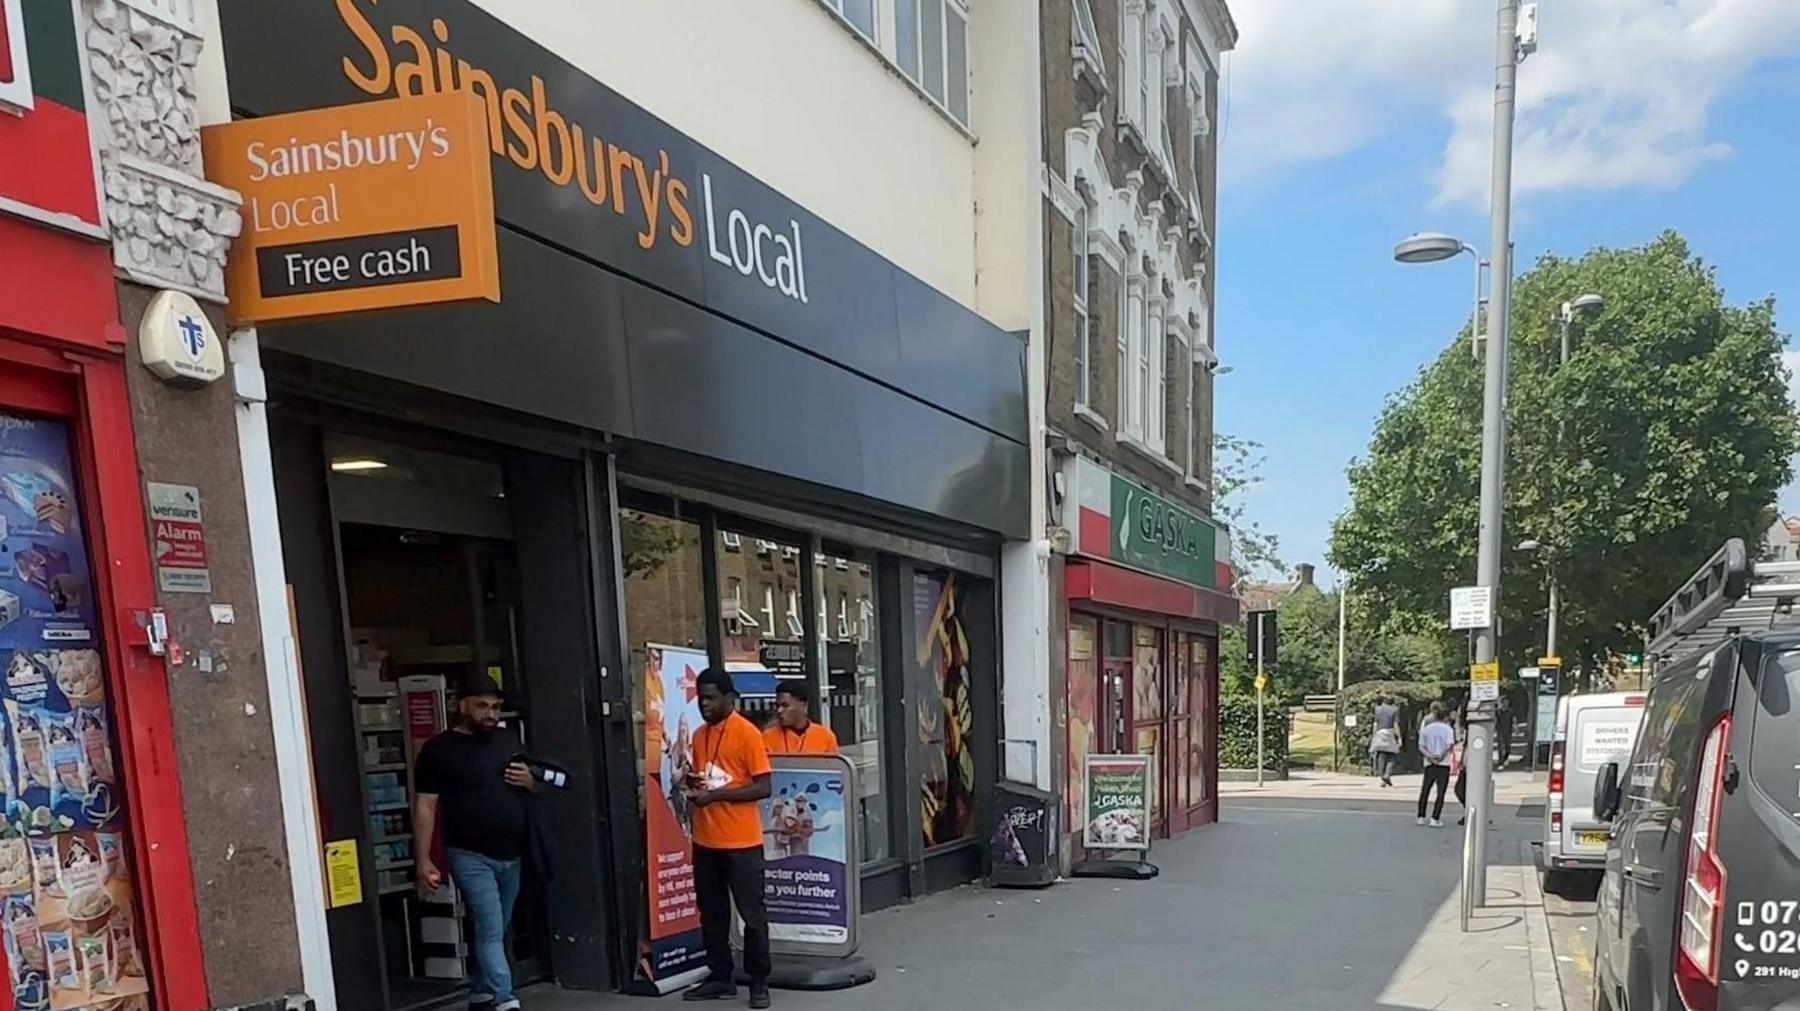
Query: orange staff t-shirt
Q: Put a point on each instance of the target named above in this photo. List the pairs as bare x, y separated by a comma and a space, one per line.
729, 754
817, 740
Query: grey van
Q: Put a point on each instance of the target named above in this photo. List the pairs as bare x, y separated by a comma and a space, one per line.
1699, 907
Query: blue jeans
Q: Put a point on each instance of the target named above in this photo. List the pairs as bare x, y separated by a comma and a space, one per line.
490, 887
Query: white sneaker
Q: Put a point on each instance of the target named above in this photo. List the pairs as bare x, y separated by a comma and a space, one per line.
1418, 821
1437, 823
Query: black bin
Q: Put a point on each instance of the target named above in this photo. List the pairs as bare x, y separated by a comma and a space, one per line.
1022, 844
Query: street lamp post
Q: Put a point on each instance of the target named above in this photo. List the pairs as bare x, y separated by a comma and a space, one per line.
1430, 248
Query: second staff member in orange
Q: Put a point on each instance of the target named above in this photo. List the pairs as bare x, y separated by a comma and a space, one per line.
794, 731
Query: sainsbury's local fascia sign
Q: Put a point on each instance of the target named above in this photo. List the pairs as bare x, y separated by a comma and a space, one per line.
575, 164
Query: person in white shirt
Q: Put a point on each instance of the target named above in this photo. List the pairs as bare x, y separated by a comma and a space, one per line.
1436, 741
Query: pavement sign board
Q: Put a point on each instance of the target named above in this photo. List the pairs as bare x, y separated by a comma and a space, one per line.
1118, 803
1471, 607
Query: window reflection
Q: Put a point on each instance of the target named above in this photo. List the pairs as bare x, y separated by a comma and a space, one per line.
765, 645
851, 700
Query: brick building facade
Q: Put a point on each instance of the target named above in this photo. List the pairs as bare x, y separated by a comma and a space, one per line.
1138, 581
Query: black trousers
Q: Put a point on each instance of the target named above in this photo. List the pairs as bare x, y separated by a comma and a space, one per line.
1462, 786
1435, 776
720, 878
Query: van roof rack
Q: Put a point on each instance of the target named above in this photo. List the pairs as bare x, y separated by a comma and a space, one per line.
1729, 595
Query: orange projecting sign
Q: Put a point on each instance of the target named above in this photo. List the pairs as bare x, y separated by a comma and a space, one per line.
368, 206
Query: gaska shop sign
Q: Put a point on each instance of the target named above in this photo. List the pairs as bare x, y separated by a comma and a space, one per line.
575, 164
1152, 533
368, 206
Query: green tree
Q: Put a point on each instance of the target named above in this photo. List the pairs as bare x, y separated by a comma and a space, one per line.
1668, 431
1237, 467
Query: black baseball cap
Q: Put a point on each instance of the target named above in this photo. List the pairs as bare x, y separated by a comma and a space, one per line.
480, 684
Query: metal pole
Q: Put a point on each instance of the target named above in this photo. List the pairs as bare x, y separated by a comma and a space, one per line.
1550, 628
1260, 684
1493, 434
1337, 722
1343, 595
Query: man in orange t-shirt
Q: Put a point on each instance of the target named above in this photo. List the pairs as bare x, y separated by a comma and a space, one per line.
731, 774
794, 732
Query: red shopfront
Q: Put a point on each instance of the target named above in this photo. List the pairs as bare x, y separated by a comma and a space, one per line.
1142, 649
100, 913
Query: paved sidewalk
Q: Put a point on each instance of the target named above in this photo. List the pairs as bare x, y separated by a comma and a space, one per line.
1273, 908
1512, 787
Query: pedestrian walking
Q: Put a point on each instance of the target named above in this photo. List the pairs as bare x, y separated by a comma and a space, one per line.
731, 774
1384, 740
794, 731
471, 787
1436, 742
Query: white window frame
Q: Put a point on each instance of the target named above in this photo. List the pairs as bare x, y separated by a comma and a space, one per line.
796, 627
873, 34
768, 610
947, 9
736, 586
1081, 278
1122, 357
1135, 363
843, 623
1156, 386
731, 541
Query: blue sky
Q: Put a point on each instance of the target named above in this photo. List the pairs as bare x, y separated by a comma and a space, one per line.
1628, 129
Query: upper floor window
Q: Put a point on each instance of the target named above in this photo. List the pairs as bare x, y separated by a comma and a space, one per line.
859, 13
931, 44
1156, 380
1079, 276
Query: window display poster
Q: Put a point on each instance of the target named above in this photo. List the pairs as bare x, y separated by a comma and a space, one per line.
67, 915
1118, 803
671, 717
807, 872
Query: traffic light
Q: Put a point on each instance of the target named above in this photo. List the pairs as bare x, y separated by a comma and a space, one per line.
1259, 637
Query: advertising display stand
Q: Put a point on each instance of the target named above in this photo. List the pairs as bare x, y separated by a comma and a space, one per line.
811, 881
1117, 818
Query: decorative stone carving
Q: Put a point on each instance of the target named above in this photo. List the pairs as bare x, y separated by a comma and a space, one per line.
169, 229
143, 75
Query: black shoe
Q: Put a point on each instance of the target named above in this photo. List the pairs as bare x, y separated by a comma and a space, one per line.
759, 995
1464, 820
712, 989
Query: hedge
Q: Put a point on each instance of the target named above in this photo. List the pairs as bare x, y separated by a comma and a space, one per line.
1237, 733
1413, 697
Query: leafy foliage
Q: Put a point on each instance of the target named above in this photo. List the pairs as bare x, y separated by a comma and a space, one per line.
1668, 431
646, 543
1413, 698
1237, 467
1237, 733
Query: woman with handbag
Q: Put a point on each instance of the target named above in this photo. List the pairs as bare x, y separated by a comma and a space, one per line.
1384, 741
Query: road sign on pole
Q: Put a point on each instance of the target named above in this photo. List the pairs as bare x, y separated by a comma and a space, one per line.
1471, 607
1484, 681
1265, 645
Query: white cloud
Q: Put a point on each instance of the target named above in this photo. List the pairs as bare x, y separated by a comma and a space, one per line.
1617, 96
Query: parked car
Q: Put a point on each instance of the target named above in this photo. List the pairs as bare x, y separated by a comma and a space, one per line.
1591, 730
1699, 907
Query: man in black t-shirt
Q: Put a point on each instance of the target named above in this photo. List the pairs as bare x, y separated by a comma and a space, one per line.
468, 785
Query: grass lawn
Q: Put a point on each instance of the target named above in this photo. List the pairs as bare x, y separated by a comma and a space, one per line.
1309, 743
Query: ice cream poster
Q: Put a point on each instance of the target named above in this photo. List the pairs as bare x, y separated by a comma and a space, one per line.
671, 718
806, 875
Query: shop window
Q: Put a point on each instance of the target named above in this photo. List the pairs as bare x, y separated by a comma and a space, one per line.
76, 868
665, 611
758, 656
851, 703
1147, 707
1200, 659
1084, 707
943, 697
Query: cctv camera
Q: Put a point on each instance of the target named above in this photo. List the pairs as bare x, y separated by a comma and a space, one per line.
1212, 367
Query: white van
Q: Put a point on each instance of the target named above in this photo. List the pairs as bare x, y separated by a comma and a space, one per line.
1591, 730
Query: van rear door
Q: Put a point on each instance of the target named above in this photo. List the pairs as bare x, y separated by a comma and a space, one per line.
1759, 836
1597, 735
